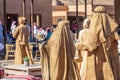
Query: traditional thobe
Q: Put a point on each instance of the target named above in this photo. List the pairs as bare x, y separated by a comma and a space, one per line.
21, 34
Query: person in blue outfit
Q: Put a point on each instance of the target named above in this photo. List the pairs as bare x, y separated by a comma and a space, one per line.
49, 33
1, 33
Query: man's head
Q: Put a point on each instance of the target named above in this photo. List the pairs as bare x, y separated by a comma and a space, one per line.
86, 23
21, 20
100, 9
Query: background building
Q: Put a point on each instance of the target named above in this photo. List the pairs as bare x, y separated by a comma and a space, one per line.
45, 15
70, 12
42, 12
108, 4
117, 11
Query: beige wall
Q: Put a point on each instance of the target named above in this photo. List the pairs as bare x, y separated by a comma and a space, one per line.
40, 7
103, 2
81, 8
60, 13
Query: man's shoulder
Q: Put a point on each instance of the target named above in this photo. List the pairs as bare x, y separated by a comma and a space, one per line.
20, 26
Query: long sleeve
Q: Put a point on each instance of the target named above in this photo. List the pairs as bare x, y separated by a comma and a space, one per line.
16, 33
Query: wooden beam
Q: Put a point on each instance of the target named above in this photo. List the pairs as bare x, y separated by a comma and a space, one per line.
24, 8
85, 8
4, 12
32, 14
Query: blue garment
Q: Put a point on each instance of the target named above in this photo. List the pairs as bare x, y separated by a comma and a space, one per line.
8, 38
48, 35
1, 34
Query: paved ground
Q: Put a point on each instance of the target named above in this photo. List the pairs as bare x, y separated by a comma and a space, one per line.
11, 61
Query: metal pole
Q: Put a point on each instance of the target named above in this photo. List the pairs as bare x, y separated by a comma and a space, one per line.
24, 8
77, 18
32, 13
4, 12
85, 8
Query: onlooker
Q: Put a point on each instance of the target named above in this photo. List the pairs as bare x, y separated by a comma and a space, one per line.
29, 29
1, 37
27, 25
35, 29
22, 49
40, 34
53, 27
13, 26
74, 26
1, 33
8, 37
49, 33
1, 46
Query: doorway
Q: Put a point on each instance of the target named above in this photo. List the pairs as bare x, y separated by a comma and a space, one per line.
10, 18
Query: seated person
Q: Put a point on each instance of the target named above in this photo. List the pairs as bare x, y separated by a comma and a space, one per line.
49, 33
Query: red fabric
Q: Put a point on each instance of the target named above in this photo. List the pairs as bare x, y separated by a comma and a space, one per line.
25, 77
1, 71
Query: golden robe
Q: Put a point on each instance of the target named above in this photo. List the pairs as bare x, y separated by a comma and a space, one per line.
84, 55
57, 55
101, 42
22, 49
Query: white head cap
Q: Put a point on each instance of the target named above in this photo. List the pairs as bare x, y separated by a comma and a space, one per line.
86, 23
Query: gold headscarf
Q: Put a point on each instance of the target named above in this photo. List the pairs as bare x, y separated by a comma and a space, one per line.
21, 20
60, 50
101, 28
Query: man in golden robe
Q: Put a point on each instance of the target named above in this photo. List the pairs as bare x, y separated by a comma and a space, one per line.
84, 54
101, 42
57, 55
21, 34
